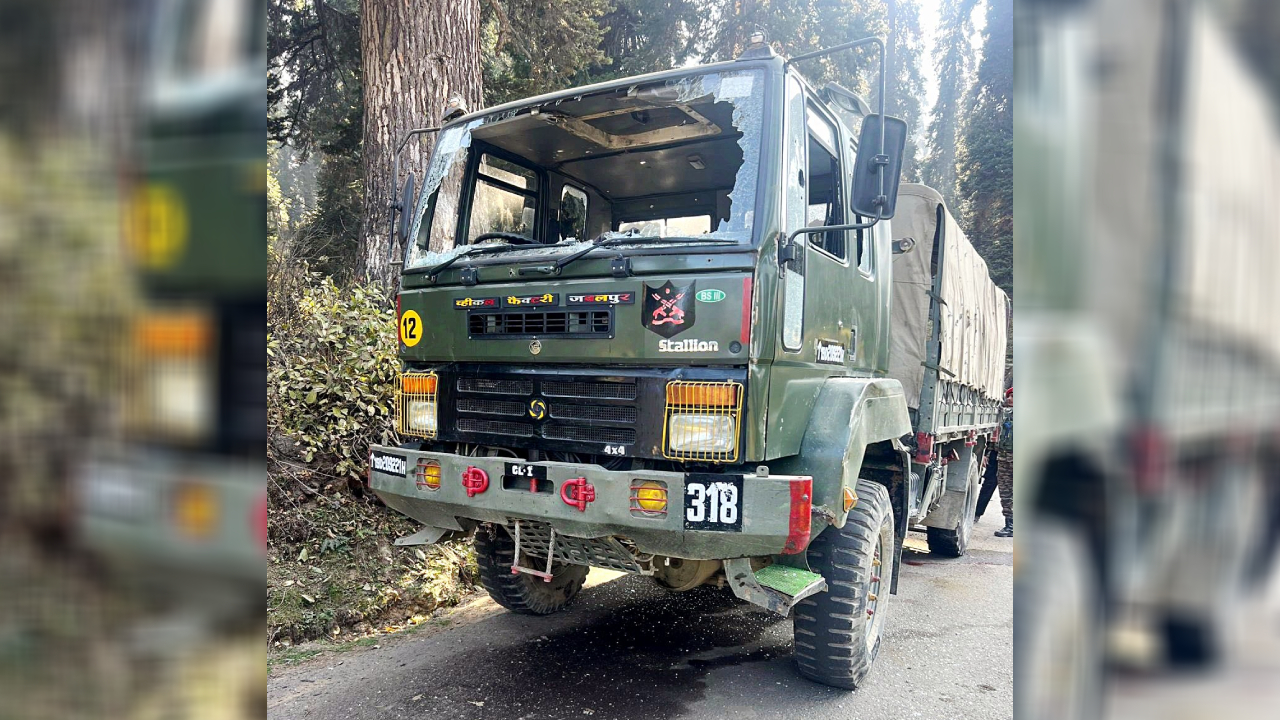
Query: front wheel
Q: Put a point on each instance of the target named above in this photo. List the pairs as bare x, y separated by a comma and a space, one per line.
521, 592
837, 632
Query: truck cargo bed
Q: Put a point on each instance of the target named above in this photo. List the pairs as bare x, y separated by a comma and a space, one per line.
950, 321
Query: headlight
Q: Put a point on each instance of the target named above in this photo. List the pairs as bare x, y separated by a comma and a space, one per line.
700, 433
702, 420
416, 403
178, 397
422, 415
173, 347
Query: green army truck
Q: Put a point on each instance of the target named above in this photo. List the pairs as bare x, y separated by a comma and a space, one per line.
660, 341
181, 502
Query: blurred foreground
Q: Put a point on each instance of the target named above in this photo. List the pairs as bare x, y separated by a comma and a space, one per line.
1148, 473
132, 358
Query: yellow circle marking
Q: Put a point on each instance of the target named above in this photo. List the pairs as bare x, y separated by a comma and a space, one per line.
159, 226
410, 328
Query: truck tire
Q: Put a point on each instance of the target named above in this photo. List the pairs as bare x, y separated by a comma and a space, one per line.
521, 592
954, 542
837, 632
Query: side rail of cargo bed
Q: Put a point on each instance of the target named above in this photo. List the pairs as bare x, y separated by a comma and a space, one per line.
949, 410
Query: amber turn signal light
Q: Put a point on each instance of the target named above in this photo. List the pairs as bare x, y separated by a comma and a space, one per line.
693, 395
418, 384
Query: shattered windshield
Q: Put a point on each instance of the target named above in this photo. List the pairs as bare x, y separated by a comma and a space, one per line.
676, 158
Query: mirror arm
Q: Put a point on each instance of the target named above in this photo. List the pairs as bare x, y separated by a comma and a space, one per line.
395, 177
791, 237
882, 200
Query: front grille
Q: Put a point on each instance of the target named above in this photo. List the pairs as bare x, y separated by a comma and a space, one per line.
578, 433
242, 382
495, 427
594, 390
489, 406
496, 387
541, 323
602, 413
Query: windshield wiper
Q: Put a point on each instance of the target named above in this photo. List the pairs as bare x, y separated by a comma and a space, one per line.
435, 270
607, 241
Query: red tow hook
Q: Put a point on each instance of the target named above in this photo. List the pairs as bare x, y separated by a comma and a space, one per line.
475, 480
578, 492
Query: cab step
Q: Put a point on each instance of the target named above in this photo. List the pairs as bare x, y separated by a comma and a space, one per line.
776, 587
792, 582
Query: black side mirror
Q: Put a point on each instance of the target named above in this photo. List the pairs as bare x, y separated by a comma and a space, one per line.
871, 198
406, 209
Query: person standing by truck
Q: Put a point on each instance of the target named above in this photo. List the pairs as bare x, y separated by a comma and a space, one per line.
998, 471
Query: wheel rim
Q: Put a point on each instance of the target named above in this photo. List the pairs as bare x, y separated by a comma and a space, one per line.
875, 608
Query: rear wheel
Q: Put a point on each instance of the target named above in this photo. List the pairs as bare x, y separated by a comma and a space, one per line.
837, 632
954, 542
521, 592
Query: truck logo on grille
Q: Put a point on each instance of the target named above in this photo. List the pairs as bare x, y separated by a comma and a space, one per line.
537, 409
668, 309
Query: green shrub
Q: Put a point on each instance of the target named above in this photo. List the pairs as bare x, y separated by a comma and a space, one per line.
332, 367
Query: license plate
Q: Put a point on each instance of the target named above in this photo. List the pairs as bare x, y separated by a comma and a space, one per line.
526, 472
713, 502
389, 464
116, 493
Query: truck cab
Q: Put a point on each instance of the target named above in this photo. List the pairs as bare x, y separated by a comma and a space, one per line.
645, 325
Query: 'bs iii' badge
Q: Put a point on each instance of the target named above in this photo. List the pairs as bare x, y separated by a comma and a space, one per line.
668, 309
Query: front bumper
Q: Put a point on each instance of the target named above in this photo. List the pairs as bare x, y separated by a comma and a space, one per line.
126, 509
775, 509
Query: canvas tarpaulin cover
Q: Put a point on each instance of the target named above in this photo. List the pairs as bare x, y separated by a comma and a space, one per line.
973, 314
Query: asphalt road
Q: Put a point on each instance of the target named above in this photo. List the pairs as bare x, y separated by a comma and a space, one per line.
627, 650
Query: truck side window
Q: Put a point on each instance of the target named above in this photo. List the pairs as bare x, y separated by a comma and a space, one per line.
505, 200
862, 236
573, 213
795, 183
825, 180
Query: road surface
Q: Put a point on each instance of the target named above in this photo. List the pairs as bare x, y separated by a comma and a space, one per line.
627, 650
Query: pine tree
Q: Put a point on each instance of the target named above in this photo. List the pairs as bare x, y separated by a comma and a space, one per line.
985, 183
793, 27
530, 47
953, 56
906, 83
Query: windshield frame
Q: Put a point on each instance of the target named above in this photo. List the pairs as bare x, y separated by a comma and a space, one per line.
769, 71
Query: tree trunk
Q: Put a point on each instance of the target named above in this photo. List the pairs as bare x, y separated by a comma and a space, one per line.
415, 55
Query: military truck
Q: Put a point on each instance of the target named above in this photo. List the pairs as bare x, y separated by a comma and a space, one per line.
660, 341
1148, 470
182, 500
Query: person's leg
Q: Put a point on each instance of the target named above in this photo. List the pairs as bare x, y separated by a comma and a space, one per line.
1005, 483
988, 484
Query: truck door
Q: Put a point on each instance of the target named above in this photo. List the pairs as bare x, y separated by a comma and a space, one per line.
829, 297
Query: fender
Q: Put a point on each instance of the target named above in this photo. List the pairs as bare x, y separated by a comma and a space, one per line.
849, 414
949, 506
